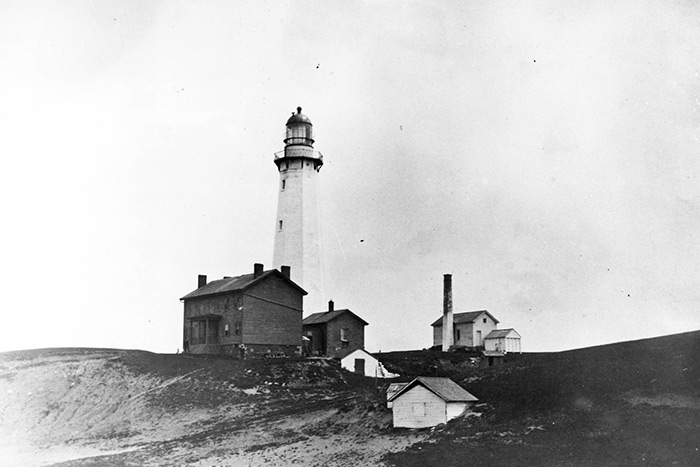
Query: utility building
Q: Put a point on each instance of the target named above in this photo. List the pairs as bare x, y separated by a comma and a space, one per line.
426, 402
297, 227
469, 329
256, 313
334, 333
503, 340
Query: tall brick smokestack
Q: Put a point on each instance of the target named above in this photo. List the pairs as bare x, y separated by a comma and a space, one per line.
447, 318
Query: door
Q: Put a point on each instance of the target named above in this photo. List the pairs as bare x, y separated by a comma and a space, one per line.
478, 339
360, 366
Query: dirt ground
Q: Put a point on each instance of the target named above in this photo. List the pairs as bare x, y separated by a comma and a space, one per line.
86, 407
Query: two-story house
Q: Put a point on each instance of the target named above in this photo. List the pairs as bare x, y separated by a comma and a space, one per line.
254, 313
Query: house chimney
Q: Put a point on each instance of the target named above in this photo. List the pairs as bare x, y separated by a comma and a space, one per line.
447, 318
257, 270
330, 305
286, 271
201, 280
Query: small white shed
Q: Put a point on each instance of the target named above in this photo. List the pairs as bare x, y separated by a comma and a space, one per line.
362, 362
503, 340
428, 401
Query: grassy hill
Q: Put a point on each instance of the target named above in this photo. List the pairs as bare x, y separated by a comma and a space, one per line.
633, 403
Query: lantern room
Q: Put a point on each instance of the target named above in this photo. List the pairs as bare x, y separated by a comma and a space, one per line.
299, 130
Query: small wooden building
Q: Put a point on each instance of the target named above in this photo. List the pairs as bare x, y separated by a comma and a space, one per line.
253, 314
334, 333
362, 362
429, 401
503, 340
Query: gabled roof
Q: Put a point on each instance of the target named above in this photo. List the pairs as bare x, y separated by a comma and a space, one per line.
326, 316
393, 389
466, 317
498, 333
445, 388
233, 284
347, 354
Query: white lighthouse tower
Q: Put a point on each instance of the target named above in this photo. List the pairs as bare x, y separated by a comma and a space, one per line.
297, 229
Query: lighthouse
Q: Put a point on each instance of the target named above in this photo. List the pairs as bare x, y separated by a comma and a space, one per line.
297, 227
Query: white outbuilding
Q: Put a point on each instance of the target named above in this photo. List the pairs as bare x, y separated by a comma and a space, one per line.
362, 362
428, 401
502, 340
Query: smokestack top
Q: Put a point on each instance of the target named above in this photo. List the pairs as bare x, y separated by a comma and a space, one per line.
447, 293
286, 271
201, 280
331, 305
447, 318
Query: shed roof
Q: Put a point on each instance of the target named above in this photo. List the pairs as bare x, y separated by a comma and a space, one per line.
352, 351
233, 284
326, 316
466, 317
393, 389
444, 388
499, 333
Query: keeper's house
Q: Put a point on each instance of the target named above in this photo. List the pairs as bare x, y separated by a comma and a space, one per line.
426, 402
251, 314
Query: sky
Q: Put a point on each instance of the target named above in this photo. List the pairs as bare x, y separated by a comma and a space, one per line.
544, 153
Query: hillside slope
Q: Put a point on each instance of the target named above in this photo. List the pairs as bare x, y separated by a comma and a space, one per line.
117, 407
632, 403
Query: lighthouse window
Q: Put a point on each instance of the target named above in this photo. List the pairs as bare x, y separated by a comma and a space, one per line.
280, 225
284, 183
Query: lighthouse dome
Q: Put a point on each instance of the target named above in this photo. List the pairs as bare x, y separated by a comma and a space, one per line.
299, 130
298, 118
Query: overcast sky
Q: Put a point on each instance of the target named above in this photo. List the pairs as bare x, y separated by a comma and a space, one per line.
544, 153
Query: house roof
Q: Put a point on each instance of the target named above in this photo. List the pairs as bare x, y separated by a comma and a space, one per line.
498, 333
326, 316
352, 351
233, 284
466, 317
393, 389
444, 388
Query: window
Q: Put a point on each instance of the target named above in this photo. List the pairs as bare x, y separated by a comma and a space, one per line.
226, 330
284, 184
237, 328
280, 226
419, 409
458, 335
344, 335
484, 320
